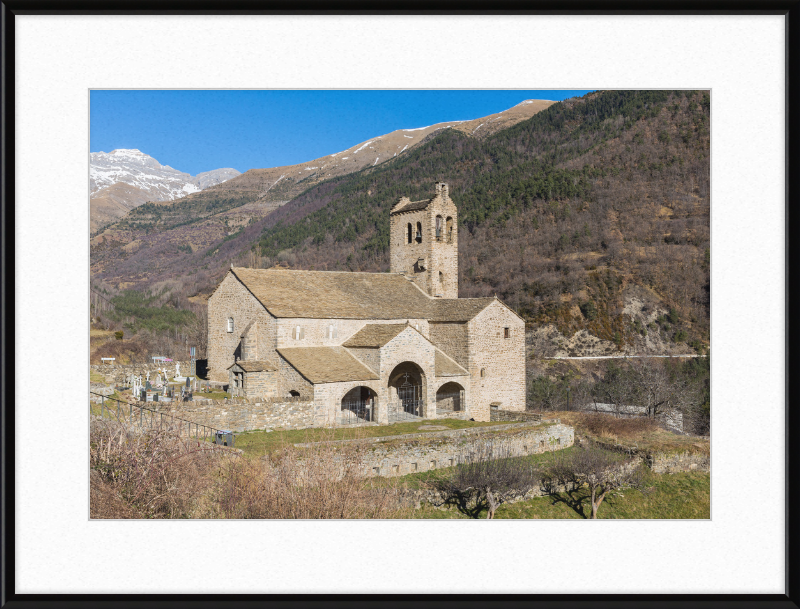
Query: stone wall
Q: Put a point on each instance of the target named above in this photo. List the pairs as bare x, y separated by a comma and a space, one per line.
662, 463
315, 331
370, 356
401, 455
289, 379
513, 415
242, 415
452, 339
232, 299
502, 358
440, 256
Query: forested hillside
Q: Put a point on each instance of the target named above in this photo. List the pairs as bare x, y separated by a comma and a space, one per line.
563, 216
591, 215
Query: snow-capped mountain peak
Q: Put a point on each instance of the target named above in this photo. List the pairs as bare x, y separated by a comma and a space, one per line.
159, 182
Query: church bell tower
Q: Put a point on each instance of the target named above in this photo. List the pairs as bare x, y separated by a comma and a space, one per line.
424, 242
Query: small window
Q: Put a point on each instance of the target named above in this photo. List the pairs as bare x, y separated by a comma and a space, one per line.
419, 232
331, 332
410, 235
441, 277
438, 228
483, 372
299, 333
506, 332
230, 324
294, 394
449, 230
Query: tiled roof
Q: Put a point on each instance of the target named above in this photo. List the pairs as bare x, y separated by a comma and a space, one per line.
457, 309
411, 206
445, 366
342, 295
375, 335
335, 295
252, 365
327, 364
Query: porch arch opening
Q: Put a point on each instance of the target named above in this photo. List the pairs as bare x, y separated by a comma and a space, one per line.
450, 398
407, 392
359, 405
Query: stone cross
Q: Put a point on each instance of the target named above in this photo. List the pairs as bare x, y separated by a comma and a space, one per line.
177, 369
148, 375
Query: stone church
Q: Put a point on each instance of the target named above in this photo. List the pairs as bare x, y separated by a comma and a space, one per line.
372, 347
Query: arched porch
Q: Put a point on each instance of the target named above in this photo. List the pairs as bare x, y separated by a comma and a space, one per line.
407, 390
450, 398
359, 405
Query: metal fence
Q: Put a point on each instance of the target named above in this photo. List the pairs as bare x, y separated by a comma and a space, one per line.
146, 419
354, 412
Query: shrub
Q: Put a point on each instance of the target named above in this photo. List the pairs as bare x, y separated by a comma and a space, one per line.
680, 336
119, 334
589, 310
607, 425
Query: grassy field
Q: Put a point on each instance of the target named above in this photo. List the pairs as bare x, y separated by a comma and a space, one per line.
669, 496
259, 443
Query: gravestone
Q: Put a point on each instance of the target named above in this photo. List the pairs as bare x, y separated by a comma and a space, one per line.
147, 385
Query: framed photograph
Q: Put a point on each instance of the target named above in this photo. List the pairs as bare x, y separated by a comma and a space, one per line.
355, 280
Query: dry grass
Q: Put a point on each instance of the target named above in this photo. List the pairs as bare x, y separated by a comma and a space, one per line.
150, 475
640, 433
160, 475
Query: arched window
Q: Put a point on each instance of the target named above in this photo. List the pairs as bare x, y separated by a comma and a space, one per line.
419, 232
483, 372
449, 230
410, 236
230, 324
298, 333
438, 228
441, 277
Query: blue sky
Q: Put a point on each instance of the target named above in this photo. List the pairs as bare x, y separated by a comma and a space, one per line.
196, 131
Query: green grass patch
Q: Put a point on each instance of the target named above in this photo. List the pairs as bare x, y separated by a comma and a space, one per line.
96, 377
259, 443
670, 497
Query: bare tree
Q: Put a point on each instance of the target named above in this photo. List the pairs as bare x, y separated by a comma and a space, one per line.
490, 477
599, 470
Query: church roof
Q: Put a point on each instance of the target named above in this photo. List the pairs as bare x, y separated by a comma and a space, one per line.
374, 335
457, 309
411, 206
252, 365
327, 364
342, 295
446, 366
335, 295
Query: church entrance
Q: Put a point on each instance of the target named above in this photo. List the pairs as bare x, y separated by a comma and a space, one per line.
406, 393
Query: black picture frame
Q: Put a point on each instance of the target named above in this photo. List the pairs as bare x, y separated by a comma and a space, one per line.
10, 8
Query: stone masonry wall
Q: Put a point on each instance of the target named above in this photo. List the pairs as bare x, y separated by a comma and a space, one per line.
452, 338
243, 416
401, 455
290, 379
440, 256
502, 358
370, 356
315, 330
232, 299
513, 415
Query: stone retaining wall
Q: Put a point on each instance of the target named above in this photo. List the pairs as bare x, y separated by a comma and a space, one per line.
400, 455
513, 415
665, 463
243, 416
